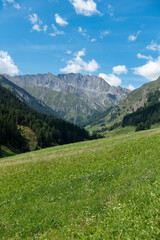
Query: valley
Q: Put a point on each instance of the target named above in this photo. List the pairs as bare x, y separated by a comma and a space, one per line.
139, 109
79, 120
146, 96
74, 97
23, 129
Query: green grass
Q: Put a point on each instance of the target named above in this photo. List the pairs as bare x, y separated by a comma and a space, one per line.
121, 131
101, 189
156, 125
91, 129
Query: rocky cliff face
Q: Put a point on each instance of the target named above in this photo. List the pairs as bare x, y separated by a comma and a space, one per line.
73, 95
95, 86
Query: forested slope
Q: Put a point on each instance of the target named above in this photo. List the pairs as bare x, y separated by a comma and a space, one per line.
50, 130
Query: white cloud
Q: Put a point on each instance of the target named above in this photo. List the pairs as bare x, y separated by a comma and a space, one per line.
111, 79
120, 69
82, 31
153, 46
37, 23
52, 34
15, 5
131, 87
59, 20
110, 10
45, 27
56, 31
33, 18
68, 52
77, 64
86, 8
132, 38
151, 70
7, 65
104, 33
93, 40
140, 56
36, 27
8, 1
91, 66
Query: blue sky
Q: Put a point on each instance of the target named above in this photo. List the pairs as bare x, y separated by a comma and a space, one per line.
118, 40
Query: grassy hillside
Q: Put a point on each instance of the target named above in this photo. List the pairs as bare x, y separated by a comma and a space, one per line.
102, 189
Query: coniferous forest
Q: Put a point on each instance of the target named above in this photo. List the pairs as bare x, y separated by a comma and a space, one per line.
144, 117
50, 130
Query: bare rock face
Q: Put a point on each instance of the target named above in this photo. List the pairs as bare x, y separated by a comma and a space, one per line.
87, 83
82, 96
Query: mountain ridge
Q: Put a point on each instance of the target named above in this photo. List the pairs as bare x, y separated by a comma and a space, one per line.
134, 101
89, 93
25, 97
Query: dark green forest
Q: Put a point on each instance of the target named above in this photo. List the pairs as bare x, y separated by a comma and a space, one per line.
50, 130
144, 117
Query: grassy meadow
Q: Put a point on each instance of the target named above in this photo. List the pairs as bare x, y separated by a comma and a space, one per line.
102, 189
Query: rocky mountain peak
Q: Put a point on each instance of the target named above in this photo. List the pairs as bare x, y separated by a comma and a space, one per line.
84, 94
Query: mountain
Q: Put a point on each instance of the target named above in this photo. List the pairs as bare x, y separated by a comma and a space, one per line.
18, 120
143, 118
147, 115
25, 97
74, 97
141, 97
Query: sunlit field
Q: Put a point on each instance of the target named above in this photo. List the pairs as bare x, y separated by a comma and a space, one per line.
101, 189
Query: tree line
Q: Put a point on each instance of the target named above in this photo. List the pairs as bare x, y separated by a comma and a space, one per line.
144, 117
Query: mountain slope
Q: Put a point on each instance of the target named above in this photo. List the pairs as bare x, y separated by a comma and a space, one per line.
79, 97
145, 116
67, 105
138, 98
25, 97
15, 116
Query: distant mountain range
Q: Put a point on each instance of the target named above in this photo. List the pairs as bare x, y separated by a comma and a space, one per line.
74, 97
88, 101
